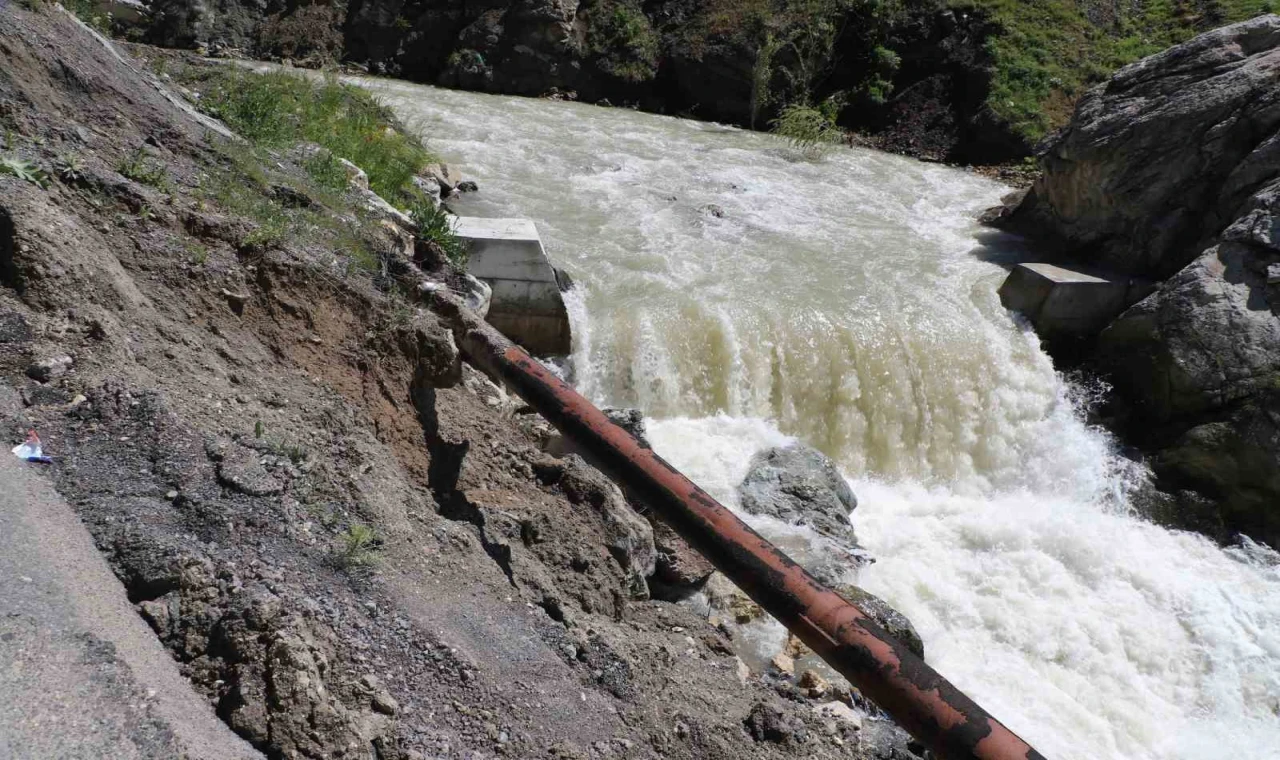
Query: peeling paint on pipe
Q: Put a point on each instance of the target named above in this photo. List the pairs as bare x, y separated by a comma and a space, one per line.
913, 693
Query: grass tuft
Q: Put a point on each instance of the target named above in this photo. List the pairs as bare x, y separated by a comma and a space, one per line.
357, 547
435, 226
278, 110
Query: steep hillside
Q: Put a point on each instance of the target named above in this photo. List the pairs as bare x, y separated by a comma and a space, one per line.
352, 546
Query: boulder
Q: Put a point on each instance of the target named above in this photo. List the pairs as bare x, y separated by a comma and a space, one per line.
800, 486
893, 622
1162, 155
1168, 170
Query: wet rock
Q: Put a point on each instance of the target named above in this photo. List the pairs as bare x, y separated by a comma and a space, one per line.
782, 664
49, 369
800, 486
724, 596
467, 186
893, 622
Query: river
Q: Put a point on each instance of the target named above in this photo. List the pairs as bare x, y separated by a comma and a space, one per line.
745, 297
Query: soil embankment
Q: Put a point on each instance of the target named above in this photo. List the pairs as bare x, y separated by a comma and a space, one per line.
350, 545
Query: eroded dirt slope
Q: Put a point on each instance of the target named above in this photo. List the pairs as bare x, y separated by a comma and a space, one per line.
352, 546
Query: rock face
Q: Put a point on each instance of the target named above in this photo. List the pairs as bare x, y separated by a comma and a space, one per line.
672, 56
1169, 171
800, 486
1162, 156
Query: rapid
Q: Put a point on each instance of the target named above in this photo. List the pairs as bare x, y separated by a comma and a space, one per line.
744, 297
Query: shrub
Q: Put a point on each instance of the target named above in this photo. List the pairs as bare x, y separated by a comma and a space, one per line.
810, 130
625, 41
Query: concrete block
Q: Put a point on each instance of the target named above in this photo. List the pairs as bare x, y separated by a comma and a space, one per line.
1064, 302
526, 305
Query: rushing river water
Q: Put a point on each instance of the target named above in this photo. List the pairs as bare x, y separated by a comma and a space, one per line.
744, 297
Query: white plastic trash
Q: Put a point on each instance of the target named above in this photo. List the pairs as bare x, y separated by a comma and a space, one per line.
31, 450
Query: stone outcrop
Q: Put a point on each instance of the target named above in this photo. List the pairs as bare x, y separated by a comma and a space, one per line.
1162, 156
1169, 170
800, 486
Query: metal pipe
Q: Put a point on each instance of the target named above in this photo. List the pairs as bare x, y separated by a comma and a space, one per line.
914, 694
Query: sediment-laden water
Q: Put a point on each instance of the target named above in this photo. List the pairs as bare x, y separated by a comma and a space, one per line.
743, 297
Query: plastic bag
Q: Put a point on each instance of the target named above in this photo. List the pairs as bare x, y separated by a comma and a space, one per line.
31, 450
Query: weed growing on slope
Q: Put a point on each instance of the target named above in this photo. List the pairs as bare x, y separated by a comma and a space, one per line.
24, 170
278, 109
357, 547
141, 168
435, 226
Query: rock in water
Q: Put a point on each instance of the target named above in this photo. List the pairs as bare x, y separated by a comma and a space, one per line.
1168, 170
893, 622
800, 486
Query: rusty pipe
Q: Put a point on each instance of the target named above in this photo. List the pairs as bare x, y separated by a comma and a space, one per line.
913, 693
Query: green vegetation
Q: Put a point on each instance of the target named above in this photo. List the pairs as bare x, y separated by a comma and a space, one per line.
624, 39
812, 131
1050, 51
357, 547
140, 168
1045, 53
70, 168
23, 170
435, 227
279, 109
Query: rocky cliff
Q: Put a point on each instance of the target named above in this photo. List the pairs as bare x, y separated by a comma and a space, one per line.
712, 59
1172, 170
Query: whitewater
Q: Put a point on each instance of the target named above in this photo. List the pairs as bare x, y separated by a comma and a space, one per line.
745, 297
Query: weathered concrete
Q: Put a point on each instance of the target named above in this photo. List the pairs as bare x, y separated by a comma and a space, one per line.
526, 305
1063, 302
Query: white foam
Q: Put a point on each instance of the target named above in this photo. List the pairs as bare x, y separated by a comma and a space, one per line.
849, 303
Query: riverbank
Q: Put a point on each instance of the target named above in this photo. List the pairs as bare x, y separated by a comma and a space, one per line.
349, 543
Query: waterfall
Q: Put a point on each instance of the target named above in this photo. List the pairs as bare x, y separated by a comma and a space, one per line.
744, 297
